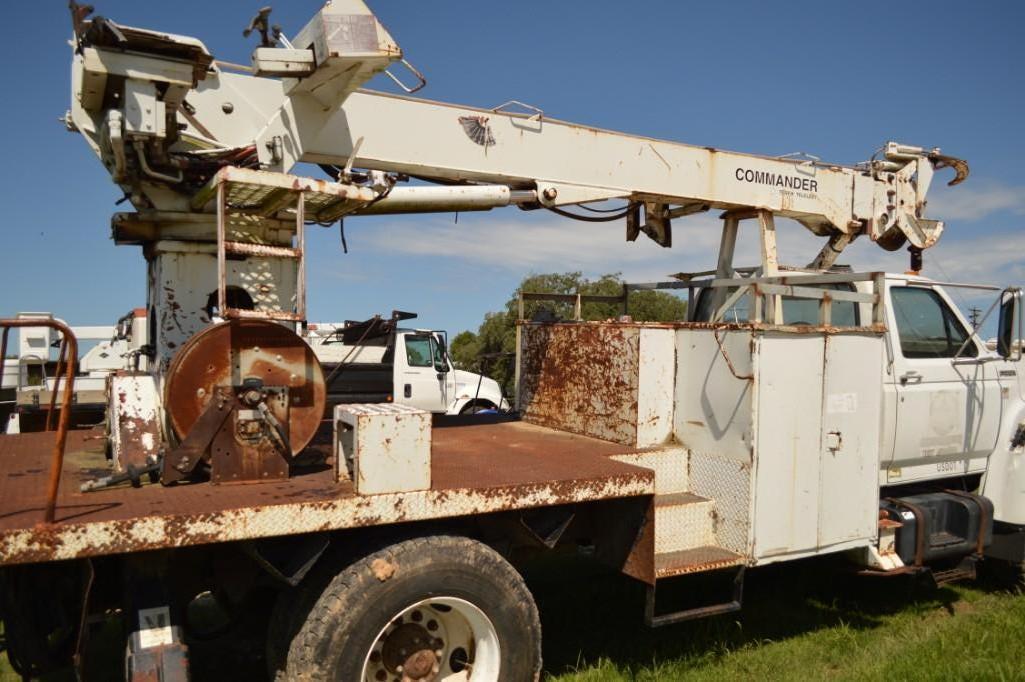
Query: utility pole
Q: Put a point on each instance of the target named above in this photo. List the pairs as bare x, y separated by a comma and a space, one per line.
974, 314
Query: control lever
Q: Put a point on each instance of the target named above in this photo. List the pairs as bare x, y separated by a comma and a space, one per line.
279, 430
132, 474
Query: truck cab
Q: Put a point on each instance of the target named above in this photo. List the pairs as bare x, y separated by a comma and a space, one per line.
380, 362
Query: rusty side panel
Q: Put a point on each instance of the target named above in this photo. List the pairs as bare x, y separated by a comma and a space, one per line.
581, 378
476, 469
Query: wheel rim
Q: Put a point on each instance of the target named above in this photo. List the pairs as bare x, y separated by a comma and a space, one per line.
443, 639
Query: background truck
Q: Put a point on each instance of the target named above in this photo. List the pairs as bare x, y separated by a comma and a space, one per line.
799, 414
376, 361
31, 386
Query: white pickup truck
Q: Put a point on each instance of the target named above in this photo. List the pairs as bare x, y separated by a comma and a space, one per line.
376, 361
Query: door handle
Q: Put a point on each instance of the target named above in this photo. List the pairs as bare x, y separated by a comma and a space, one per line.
407, 390
911, 377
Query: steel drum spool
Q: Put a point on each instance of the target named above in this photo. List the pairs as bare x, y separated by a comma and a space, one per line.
228, 353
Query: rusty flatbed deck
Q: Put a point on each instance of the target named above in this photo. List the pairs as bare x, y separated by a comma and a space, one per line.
476, 468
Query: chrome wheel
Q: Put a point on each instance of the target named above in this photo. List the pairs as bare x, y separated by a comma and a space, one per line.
443, 639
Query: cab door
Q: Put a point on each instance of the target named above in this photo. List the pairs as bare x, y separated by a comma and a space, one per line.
419, 383
947, 411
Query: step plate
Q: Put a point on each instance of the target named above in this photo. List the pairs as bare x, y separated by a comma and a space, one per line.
669, 465
683, 521
696, 560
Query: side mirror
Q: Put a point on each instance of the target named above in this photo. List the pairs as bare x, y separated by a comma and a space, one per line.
440, 355
1009, 329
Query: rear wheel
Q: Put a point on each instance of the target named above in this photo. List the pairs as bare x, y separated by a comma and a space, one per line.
433, 608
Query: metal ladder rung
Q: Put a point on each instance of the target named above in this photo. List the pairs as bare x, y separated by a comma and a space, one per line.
239, 314
734, 604
266, 250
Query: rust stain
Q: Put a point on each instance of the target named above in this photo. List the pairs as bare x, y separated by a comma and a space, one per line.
476, 469
227, 353
582, 378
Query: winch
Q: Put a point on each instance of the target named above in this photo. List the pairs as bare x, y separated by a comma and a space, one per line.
243, 397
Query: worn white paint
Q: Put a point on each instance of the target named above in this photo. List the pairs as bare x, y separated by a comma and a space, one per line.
816, 456
787, 440
713, 407
655, 384
848, 496
133, 418
383, 448
183, 275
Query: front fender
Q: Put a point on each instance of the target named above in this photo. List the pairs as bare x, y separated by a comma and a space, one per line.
1004, 480
465, 398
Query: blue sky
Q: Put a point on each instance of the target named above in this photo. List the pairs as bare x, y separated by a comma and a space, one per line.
832, 79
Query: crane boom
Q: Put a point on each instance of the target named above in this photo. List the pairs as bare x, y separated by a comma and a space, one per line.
569, 163
155, 109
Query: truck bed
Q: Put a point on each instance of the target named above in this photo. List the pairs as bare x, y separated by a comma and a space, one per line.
476, 468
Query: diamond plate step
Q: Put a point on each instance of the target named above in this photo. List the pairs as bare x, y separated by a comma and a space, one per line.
694, 560
683, 521
669, 465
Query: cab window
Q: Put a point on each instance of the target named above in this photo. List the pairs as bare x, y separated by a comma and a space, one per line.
418, 351
926, 325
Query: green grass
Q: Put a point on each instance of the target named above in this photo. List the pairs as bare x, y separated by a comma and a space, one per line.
800, 621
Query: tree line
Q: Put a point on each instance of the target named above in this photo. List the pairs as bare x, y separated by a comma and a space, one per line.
491, 349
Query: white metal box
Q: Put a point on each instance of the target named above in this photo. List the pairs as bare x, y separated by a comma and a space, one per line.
783, 429
383, 448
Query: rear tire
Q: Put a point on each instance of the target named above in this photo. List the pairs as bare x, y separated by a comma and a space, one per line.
435, 605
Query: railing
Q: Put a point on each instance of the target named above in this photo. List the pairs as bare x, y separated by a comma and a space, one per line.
68, 349
765, 293
576, 299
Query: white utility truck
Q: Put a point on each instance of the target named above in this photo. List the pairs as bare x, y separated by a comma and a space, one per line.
32, 376
799, 413
376, 361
